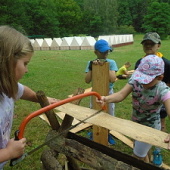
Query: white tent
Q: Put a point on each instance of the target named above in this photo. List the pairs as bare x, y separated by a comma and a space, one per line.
130, 36
88, 43
76, 43
32, 41
105, 37
46, 44
66, 41
37, 44
55, 45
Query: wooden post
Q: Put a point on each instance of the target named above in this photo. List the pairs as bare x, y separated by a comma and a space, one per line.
100, 84
50, 114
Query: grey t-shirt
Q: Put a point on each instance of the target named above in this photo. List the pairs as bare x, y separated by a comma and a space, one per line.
6, 117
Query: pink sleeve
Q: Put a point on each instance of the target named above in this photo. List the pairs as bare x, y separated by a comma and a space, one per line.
167, 96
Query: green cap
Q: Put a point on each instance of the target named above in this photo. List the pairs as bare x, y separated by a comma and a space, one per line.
153, 36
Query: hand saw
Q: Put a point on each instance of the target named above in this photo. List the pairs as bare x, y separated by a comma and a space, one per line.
19, 133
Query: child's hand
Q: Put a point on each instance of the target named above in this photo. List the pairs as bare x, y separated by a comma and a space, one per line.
52, 100
16, 147
167, 140
101, 101
96, 62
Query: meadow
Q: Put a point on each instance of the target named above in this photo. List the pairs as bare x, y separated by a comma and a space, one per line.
59, 74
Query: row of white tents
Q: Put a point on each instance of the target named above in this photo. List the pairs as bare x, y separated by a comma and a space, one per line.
78, 43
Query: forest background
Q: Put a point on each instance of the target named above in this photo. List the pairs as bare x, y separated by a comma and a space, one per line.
61, 18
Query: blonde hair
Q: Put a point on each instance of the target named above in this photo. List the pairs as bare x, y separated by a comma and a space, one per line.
13, 46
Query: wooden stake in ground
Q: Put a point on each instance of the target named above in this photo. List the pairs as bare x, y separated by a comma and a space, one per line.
100, 84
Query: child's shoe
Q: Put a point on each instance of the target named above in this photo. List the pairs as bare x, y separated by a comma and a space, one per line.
111, 140
157, 158
90, 135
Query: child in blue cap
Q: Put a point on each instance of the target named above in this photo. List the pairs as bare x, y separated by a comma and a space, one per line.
101, 51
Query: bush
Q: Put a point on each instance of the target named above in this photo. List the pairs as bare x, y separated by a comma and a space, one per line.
125, 30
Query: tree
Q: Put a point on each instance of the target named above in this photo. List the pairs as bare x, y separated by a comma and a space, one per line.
13, 14
158, 19
42, 18
69, 16
124, 17
138, 9
100, 16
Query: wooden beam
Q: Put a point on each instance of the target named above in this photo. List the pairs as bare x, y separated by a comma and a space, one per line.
50, 114
100, 84
126, 127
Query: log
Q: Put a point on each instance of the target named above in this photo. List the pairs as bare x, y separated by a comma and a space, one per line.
49, 160
95, 155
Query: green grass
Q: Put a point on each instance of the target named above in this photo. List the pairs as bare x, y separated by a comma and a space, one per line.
60, 73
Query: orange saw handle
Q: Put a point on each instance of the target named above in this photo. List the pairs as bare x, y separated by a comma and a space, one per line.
20, 133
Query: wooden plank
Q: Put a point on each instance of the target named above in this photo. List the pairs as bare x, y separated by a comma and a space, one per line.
126, 127
100, 84
122, 138
61, 115
83, 126
165, 166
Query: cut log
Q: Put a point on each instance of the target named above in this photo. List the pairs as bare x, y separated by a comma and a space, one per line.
49, 160
94, 154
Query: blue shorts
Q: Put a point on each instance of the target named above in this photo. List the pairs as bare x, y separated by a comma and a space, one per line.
163, 113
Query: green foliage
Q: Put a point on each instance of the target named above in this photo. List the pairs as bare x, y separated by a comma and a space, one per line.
124, 17
42, 18
124, 29
60, 18
69, 16
157, 19
138, 9
100, 16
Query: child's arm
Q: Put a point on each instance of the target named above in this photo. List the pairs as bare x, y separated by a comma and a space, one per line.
112, 76
13, 149
167, 106
88, 77
30, 95
116, 97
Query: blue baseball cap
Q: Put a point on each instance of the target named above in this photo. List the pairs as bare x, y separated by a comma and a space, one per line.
102, 46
